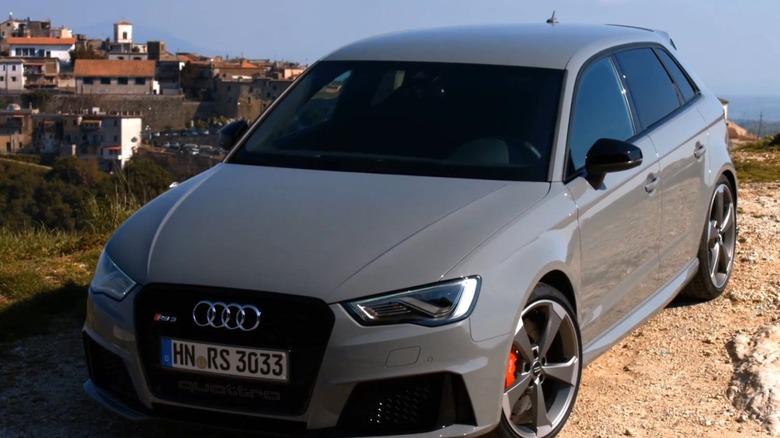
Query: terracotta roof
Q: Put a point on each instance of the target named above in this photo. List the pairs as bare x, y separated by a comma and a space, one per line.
113, 68
243, 64
41, 41
123, 22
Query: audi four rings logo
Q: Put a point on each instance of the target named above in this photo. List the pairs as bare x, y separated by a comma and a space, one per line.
230, 316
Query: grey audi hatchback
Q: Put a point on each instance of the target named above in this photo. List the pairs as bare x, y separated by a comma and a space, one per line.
429, 234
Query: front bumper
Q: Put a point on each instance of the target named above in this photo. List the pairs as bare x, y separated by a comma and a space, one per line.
390, 380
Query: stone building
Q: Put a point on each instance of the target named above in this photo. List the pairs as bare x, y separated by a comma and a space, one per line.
109, 138
16, 128
101, 76
247, 97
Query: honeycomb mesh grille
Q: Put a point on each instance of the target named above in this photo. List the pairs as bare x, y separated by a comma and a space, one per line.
108, 372
407, 405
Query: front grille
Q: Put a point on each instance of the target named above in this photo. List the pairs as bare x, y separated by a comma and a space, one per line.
299, 325
407, 405
109, 373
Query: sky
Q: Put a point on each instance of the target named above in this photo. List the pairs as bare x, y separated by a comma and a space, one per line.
732, 45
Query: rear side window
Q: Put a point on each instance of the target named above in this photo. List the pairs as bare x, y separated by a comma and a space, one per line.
649, 84
687, 91
600, 111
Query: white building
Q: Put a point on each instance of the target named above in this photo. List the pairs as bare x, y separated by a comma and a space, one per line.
11, 75
121, 138
42, 48
123, 32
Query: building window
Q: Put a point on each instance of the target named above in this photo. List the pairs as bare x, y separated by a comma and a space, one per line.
13, 68
140, 81
13, 78
2, 78
268, 94
116, 138
116, 122
228, 88
105, 81
121, 58
88, 81
124, 35
75, 122
122, 81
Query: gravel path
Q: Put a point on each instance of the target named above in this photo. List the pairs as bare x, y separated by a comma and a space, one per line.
670, 378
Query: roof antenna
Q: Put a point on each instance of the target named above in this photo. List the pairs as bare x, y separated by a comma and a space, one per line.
552, 20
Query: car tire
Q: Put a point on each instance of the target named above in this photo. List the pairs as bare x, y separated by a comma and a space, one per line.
542, 370
717, 247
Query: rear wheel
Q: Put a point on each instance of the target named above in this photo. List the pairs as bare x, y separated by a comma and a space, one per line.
544, 368
717, 247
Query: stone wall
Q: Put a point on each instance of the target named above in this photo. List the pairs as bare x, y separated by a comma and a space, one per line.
159, 112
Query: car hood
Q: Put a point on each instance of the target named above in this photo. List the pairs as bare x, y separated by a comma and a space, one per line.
331, 235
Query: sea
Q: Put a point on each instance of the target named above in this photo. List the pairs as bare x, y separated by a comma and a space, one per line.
754, 108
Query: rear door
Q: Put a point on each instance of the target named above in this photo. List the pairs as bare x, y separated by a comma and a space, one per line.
664, 99
619, 221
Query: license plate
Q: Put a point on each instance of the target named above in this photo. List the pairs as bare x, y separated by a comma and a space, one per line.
225, 360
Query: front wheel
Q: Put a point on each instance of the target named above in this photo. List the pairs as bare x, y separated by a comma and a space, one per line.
544, 368
717, 246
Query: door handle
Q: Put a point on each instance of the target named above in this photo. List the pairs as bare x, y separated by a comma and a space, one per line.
652, 183
699, 151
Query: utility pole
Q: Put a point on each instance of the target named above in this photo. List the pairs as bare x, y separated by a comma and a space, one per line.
760, 123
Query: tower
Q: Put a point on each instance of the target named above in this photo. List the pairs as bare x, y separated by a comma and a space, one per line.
123, 32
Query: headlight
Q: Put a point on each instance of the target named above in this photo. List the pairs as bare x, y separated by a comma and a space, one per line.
433, 305
110, 280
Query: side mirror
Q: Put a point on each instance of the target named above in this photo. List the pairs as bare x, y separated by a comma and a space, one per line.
230, 133
608, 155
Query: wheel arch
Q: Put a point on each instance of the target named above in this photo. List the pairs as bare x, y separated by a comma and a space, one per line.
560, 281
732, 177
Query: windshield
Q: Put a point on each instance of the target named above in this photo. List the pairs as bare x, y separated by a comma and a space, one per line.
414, 118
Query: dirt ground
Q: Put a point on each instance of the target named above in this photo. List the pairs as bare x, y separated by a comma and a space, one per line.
670, 378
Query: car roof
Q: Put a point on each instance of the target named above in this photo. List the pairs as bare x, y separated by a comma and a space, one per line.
532, 44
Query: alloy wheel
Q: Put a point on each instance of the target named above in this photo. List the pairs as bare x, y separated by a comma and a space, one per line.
544, 370
721, 236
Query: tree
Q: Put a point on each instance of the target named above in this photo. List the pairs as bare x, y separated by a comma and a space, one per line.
141, 179
85, 53
76, 171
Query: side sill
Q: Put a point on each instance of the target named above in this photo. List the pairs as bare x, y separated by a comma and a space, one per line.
638, 316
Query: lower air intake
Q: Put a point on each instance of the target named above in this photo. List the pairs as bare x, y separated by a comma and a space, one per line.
407, 405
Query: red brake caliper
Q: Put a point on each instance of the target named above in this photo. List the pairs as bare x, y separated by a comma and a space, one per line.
510, 370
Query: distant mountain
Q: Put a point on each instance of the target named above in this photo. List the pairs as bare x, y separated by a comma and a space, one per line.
143, 33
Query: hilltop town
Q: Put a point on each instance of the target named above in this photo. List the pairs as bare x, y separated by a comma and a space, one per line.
63, 93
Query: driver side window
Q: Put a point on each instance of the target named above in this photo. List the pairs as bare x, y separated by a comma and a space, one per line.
600, 110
